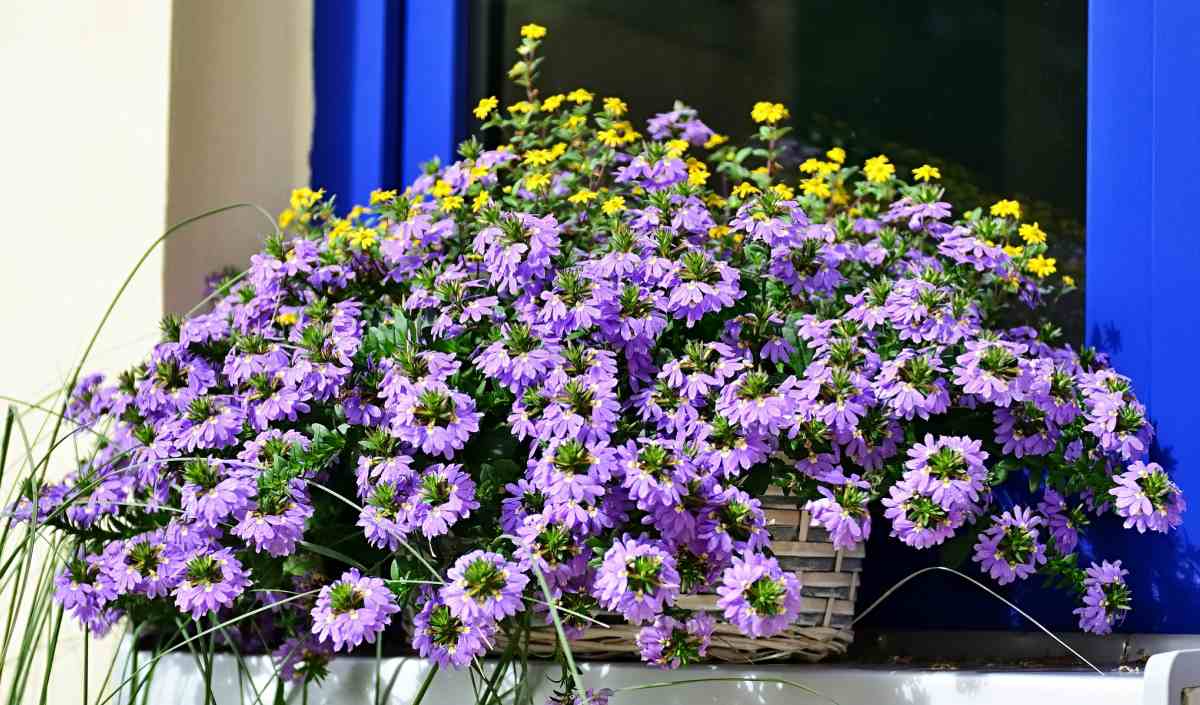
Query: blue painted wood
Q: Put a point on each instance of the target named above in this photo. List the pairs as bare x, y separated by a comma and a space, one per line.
357, 76
434, 82
1142, 302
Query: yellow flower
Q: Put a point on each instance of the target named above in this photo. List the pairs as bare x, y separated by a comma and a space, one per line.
305, 197
1006, 207
816, 186
926, 173
615, 106
355, 213
339, 229
481, 201
558, 149
784, 191
485, 107
286, 217
878, 169
676, 148
744, 189
837, 155
1042, 266
537, 182
579, 96
583, 195
715, 200
840, 197
574, 121
287, 318
441, 188
718, 231
1013, 250
533, 31
380, 196
614, 205
363, 238
553, 102
1068, 280
609, 138
478, 172
521, 107
769, 113
538, 157
810, 165
762, 170
697, 172
452, 203
716, 140
1032, 234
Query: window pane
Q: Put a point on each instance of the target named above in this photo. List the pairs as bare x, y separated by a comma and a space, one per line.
991, 92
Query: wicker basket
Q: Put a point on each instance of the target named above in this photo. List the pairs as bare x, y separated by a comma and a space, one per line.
829, 582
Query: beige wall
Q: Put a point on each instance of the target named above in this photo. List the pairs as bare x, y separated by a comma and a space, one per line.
119, 117
241, 124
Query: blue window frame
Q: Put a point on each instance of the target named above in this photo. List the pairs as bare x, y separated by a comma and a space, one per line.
391, 89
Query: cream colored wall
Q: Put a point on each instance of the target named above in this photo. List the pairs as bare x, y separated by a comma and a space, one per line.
119, 117
241, 125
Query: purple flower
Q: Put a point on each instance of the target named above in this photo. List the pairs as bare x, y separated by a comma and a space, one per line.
353, 609
704, 285
517, 250
1062, 521
484, 585
1011, 548
842, 511
447, 639
208, 581
950, 468
1148, 499
302, 659
637, 579
443, 495
435, 418
1106, 598
759, 597
917, 519
276, 521
519, 359
669, 643
210, 495
732, 521
655, 473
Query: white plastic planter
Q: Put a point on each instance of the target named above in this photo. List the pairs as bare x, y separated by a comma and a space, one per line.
351, 682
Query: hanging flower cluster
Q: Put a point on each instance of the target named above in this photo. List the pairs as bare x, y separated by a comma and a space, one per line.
575, 360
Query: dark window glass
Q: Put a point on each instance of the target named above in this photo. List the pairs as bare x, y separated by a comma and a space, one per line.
992, 92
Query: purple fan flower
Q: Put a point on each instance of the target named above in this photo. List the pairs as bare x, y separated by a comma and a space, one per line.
917, 519
759, 597
353, 609
655, 473
1061, 521
637, 579
1011, 548
449, 640
842, 511
669, 643
276, 522
443, 495
435, 418
1148, 499
484, 585
209, 581
949, 467
302, 659
1106, 598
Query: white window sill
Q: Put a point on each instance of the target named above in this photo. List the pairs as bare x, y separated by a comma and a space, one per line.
177, 680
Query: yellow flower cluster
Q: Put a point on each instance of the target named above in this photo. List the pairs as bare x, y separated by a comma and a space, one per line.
579, 96
542, 157
816, 186
816, 166
1006, 207
583, 195
744, 189
613, 205
381, 196
1032, 234
615, 107
716, 140
926, 173
769, 113
697, 172
1042, 266
485, 107
619, 134
533, 31
878, 169
553, 102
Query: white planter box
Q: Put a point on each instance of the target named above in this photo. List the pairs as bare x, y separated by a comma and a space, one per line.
178, 682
